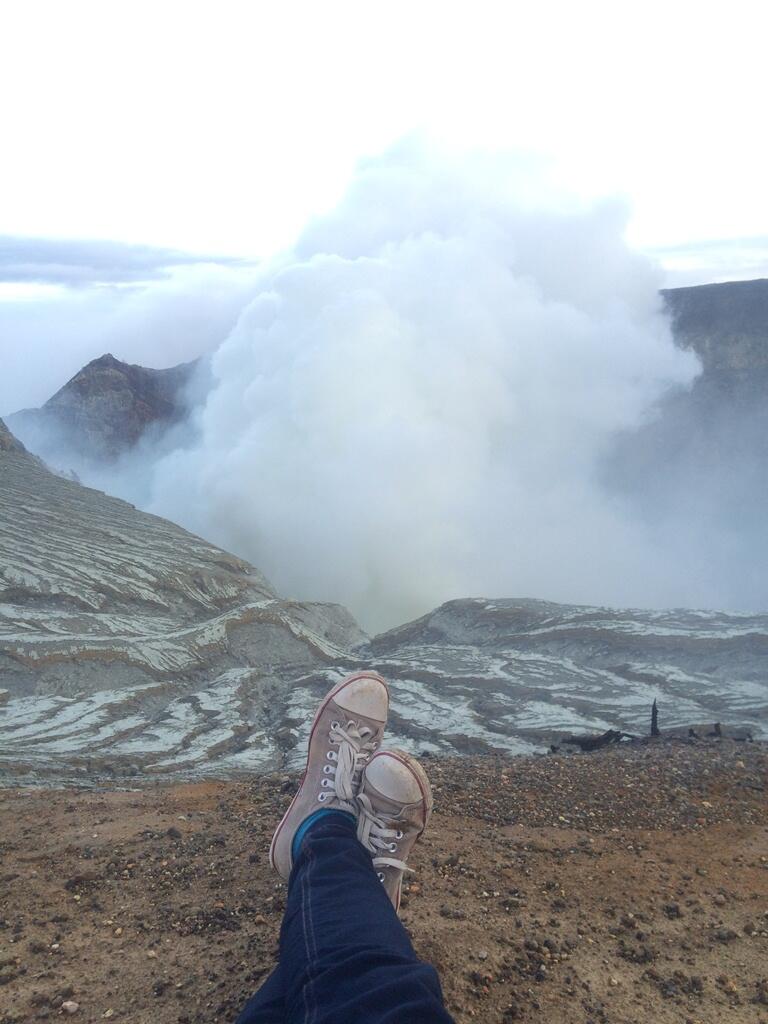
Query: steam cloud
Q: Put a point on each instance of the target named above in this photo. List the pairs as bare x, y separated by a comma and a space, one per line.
417, 401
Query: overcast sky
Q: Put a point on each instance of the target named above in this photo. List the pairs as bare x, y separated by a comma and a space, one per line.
141, 137
219, 127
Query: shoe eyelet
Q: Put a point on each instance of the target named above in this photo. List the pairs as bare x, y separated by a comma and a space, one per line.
326, 783
321, 797
398, 835
380, 876
331, 755
335, 725
327, 769
392, 847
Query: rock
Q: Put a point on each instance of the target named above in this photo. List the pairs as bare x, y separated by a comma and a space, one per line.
81, 880
70, 1006
454, 913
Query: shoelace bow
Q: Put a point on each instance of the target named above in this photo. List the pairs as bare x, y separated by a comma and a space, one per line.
375, 835
355, 747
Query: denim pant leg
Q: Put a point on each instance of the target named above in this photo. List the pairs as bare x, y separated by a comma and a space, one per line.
267, 1005
345, 957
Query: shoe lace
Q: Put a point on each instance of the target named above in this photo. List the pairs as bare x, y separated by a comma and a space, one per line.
377, 836
345, 767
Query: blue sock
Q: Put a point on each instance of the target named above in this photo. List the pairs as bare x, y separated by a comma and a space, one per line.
307, 824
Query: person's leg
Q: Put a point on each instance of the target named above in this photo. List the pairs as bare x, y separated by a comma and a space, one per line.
344, 955
347, 729
267, 1006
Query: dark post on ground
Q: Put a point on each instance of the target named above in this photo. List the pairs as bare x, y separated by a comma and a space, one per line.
654, 720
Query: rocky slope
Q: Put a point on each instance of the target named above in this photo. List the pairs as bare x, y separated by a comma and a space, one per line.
120, 632
505, 673
106, 409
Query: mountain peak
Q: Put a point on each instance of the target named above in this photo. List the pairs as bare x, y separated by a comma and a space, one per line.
106, 360
105, 408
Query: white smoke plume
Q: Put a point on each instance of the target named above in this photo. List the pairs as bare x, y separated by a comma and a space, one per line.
415, 404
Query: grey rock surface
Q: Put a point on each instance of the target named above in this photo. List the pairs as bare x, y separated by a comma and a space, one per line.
123, 636
500, 673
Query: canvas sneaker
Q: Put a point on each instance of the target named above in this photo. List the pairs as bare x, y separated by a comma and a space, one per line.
394, 806
346, 731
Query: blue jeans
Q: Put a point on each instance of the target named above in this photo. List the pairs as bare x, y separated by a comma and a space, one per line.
345, 958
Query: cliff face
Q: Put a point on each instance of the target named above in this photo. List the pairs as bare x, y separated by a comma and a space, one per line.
106, 408
701, 461
725, 324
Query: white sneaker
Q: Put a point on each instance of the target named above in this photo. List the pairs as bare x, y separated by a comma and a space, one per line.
394, 806
346, 731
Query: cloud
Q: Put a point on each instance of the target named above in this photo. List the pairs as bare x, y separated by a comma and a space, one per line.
80, 262
416, 402
718, 259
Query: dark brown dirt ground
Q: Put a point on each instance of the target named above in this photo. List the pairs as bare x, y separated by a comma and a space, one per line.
629, 885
